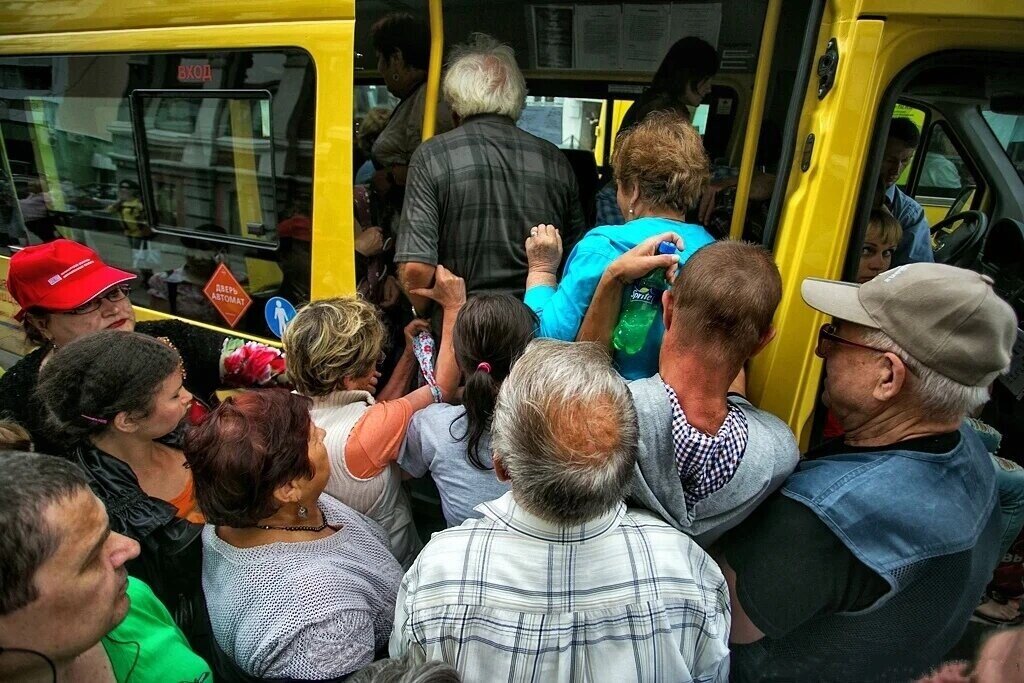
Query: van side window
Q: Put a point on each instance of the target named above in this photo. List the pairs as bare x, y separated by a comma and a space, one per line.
225, 174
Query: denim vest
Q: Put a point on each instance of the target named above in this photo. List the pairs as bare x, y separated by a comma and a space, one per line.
926, 523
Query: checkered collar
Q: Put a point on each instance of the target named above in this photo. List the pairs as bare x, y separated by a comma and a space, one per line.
507, 511
706, 462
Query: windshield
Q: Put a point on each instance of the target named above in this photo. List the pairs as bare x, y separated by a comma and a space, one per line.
1009, 130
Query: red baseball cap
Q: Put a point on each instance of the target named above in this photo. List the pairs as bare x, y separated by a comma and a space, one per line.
59, 275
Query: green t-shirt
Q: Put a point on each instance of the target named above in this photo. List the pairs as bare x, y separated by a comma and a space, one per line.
148, 646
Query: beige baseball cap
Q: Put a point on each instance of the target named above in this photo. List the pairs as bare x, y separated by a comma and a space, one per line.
948, 319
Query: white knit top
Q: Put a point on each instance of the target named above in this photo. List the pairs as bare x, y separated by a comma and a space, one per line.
382, 497
310, 610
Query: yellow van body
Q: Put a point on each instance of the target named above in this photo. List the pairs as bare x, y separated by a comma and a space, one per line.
322, 28
877, 39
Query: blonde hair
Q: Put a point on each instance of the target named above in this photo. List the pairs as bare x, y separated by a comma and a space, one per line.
330, 340
663, 156
371, 126
889, 229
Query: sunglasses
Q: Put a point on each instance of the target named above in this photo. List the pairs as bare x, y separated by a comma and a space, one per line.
118, 293
827, 336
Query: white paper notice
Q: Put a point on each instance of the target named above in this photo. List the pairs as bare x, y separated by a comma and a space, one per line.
597, 30
703, 21
646, 30
552, 36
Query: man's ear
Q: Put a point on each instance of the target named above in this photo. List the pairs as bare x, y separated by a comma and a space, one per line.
666, 308
499, 468
766, 339
892, 377
397, 59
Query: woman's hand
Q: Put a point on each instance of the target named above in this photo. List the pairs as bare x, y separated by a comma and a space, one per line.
544, 249
707, 199
391, 292
643, 258
370, 241
413, 329
449, 290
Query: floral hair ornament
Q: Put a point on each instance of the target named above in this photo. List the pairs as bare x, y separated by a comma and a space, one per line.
95, 420
484, 367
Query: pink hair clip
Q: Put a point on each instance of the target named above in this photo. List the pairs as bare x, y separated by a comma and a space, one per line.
97, 420
484, 367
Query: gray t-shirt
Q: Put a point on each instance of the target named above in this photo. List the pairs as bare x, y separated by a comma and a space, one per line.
308, 610
430, 447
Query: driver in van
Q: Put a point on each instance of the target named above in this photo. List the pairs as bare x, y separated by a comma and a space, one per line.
916, 243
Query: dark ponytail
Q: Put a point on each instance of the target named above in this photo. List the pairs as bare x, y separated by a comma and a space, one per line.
492, 331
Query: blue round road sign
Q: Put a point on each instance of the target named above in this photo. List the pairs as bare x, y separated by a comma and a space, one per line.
278, 312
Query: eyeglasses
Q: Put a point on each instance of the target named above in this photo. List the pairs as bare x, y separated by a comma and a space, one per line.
827, 335
118, 293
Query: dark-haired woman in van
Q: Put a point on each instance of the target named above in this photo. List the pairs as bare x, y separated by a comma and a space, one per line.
453, 443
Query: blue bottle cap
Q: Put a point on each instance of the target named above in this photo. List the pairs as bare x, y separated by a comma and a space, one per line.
667, 248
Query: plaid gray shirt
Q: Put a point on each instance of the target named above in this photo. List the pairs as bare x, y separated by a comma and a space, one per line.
512, 597
472, 195
706, 462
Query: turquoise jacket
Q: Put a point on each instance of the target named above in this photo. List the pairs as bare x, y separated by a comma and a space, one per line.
561, 310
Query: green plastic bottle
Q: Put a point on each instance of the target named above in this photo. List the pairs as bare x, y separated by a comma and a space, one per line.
642, 307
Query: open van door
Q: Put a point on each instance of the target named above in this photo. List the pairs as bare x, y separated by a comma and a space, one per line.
865, 53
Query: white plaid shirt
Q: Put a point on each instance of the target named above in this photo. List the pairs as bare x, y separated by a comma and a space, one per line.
512, 597
706, 462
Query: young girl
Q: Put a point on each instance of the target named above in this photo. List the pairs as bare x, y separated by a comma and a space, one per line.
110, 396
884, 233
333, 348
453, 443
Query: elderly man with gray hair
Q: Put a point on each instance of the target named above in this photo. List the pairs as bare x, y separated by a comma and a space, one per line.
559, 581
869, 562
473, 193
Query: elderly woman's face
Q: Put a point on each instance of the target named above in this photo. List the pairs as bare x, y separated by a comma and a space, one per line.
65, 327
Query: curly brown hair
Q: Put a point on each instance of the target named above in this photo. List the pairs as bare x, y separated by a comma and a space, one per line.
663, 156
331, 339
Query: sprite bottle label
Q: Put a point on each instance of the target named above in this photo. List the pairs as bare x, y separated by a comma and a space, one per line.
642, 295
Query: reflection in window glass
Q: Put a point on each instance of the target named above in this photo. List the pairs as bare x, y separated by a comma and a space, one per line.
943, 171
1009, 130
228, 163
566, 122
68, 168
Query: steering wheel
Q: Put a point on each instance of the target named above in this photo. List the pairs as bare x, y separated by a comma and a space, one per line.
965, 195
955, 236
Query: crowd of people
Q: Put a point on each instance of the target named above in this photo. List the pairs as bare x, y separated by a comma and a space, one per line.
611, 516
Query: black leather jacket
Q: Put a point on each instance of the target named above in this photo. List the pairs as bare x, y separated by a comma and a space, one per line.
171, 560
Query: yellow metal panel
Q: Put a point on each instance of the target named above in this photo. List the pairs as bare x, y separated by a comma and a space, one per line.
330, 44
816, 223
62, 16
753, 131
972, 9
434, 69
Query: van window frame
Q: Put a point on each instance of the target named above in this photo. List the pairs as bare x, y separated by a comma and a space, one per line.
136, 99
968, 160
876, 146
